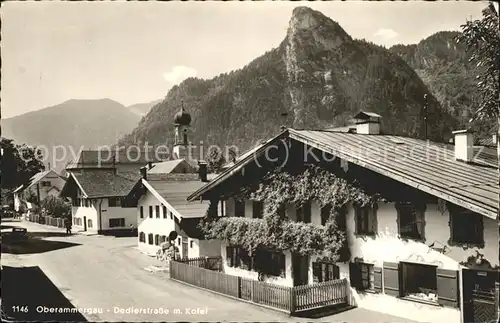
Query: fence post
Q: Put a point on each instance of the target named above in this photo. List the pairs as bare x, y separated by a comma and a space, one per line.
239, 287
292, 300
252, 291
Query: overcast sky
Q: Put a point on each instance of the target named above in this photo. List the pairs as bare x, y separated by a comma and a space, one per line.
135, 52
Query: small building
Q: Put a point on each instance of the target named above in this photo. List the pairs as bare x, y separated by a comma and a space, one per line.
40, 185
99, 202
433, 259
162, 208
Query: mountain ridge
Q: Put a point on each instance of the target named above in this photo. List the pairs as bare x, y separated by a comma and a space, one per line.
318, 75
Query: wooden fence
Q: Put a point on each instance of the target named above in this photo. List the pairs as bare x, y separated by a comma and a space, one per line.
287, 299
47, 220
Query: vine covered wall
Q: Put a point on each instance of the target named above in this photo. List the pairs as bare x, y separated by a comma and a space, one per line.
275, 231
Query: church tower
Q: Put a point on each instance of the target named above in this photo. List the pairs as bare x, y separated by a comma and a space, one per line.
182, 121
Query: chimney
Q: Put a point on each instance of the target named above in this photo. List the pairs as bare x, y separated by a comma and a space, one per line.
464, 145
367, 123
202, 171
144, 172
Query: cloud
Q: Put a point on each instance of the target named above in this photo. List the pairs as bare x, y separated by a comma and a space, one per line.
386, 33
179, 73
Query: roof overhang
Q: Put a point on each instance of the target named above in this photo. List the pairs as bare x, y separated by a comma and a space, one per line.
235, 168
73, 178
440, 192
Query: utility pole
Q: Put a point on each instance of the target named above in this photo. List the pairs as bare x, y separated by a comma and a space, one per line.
425, 116
38, 196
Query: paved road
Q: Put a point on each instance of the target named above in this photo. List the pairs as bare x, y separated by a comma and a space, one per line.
108, 274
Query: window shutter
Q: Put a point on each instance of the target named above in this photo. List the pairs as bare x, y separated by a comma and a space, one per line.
317, 272
377, 279
229, 256
391, 278
398, 218
355, 274
336, 272
374, 222
420, 215
447, 287
356, 216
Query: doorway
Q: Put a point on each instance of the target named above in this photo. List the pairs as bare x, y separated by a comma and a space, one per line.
300, 269
480, 289
184, 247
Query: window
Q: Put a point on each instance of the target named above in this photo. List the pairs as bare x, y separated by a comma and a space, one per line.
114, 202
270, 262
362, 276
179, 240
466, 227
157, 209
142, 237
238, 257
150, 238
325, 213
89, 223
118, 222
164, 238
75, 201
304, 213
257, 210
191, 244
239, 208
157, 239
419, 281
164, 212
366, 220
45, 183
141, 212
325, 271
150, 211
281, 211
411, 222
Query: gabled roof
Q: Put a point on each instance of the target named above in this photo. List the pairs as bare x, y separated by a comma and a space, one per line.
109, 158
173, 193
101, 183
470, 185
35, 179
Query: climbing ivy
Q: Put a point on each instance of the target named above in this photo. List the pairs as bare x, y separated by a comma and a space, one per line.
274, 231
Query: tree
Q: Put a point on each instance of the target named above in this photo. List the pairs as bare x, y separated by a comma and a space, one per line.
56, 206
482, 39
215, 160
18, 164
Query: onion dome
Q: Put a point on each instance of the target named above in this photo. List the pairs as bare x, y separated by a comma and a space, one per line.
182, 117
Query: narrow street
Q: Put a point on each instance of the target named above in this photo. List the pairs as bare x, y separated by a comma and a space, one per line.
108, 275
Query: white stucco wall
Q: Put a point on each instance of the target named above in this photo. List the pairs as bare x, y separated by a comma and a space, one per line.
85, 213
387, 247
153, 225
163, 226
108, 212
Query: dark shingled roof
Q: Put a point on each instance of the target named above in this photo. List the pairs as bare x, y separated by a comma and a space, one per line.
104, 183
104, 158
427, 166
